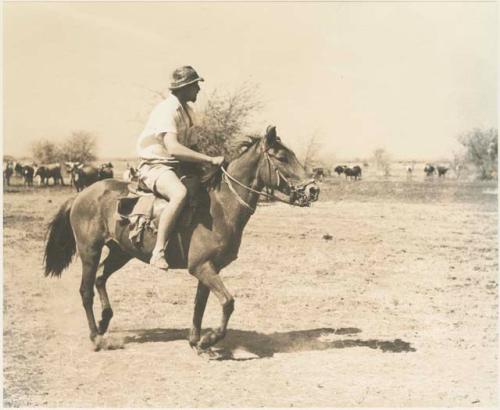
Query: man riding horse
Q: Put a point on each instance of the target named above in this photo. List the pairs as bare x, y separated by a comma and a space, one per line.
164, 144
208, 243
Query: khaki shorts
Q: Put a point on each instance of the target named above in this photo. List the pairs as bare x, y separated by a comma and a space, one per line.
149, 174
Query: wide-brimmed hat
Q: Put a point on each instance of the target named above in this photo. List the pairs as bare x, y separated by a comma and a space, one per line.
183, 76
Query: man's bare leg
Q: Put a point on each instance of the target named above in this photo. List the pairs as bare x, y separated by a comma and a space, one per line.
169, 186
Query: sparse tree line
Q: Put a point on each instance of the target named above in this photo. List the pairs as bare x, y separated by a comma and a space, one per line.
73, 155
478, 150
224, 121
80, 147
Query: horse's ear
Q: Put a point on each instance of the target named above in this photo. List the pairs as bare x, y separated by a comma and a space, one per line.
271, 135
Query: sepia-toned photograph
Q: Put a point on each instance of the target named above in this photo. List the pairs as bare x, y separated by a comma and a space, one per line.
247, 204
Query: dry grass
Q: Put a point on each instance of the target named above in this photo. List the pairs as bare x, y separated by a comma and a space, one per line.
384, 293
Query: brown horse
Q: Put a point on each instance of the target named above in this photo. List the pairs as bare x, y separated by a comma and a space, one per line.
209, 243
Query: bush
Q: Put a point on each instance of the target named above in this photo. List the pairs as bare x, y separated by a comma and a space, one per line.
224, 119
80, 146
382, 161
481, 149
45, 152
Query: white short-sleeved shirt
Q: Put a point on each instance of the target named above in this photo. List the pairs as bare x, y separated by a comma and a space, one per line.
171, 117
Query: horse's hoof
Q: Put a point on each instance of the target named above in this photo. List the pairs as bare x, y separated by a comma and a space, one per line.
98, 343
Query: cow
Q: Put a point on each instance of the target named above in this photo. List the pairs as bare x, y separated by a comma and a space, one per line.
442, 171
409, 171
45, 172
28, 172
84, 176
106, 171
339, 169
130, 174
18, 167
70, 166
318, 174
357, 171
8, 170
429, 170
352, 173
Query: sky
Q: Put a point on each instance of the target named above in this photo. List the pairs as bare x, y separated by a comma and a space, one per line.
405, 76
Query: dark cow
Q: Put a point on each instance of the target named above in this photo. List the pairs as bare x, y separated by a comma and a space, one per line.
106, 171
352, 173
28, 172
19, 169
339, 169
429, 170
8, 170
84, 176
442, 171
45, 172
357, 171
318, 174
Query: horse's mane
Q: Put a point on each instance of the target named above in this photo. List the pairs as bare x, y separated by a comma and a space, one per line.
212, 177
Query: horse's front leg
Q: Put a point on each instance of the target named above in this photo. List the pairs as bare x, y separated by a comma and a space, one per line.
200, 302
208, 276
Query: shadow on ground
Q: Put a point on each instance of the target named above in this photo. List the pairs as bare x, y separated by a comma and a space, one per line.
266, 345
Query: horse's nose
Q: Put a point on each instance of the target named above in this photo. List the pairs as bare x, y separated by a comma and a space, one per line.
313, 192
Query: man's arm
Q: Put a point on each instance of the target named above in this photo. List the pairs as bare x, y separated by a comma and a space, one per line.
183, 153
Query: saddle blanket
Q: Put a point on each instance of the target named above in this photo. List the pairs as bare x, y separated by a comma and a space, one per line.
141, 210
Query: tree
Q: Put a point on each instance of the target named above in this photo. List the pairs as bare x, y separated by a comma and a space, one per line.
45, 151
481, 149
224, 119
80, 146
312, 150
382, 161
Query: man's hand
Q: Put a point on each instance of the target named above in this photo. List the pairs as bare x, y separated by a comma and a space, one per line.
217, 161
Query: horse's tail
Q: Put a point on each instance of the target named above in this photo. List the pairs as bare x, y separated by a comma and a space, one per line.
60, 244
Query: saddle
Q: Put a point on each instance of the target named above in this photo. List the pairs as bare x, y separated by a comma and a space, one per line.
141, 208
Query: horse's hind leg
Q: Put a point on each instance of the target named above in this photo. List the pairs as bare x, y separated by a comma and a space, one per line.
114, 261
90, 260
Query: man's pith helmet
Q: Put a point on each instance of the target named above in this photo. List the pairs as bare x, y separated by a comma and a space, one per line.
183, 76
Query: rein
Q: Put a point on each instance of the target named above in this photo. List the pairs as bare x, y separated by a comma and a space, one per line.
228, 178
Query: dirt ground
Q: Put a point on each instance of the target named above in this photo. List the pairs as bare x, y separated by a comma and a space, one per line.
384, 293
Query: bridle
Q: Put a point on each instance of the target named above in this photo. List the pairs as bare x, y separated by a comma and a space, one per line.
296, 192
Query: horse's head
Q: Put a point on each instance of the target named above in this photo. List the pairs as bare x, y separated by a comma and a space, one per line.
279, 169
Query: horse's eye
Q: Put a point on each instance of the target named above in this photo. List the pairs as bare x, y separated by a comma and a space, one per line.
282, 158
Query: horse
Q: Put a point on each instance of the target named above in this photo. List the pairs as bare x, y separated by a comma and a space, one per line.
205, 246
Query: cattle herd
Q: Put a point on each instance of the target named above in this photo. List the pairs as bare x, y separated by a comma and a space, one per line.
81, 175
350, 173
